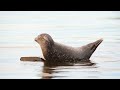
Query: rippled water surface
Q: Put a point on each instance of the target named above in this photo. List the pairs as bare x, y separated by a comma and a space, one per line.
76, 28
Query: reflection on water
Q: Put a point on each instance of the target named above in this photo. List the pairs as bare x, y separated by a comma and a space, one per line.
18, 30
50, 70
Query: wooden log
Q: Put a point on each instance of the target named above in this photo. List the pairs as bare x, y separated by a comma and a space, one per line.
31, 59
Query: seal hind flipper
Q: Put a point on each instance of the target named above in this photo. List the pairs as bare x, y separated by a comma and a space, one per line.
95, 44
89, 49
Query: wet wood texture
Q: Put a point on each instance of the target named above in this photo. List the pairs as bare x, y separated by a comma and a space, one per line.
31, 59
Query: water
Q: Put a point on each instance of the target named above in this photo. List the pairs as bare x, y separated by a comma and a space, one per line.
76, 28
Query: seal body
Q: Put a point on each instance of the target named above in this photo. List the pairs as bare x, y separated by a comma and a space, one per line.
56, 52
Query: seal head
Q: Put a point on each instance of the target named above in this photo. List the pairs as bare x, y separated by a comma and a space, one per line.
46, 42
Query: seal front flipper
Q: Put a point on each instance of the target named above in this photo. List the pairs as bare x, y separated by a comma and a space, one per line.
43, 60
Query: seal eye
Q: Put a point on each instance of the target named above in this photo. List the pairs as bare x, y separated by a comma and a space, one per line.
42, 39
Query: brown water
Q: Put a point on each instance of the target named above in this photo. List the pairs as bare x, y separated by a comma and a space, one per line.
18, 30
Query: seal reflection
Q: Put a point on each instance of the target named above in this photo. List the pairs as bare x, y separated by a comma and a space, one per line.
50, 69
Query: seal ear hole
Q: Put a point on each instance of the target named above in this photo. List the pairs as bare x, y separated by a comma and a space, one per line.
45, 38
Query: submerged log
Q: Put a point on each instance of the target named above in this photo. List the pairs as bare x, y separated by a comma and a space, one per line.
31, 59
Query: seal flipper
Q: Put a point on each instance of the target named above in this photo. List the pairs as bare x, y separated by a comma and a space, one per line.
95, 44
90, 48
43, 60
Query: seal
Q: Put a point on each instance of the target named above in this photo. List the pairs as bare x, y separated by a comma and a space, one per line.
56, 52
